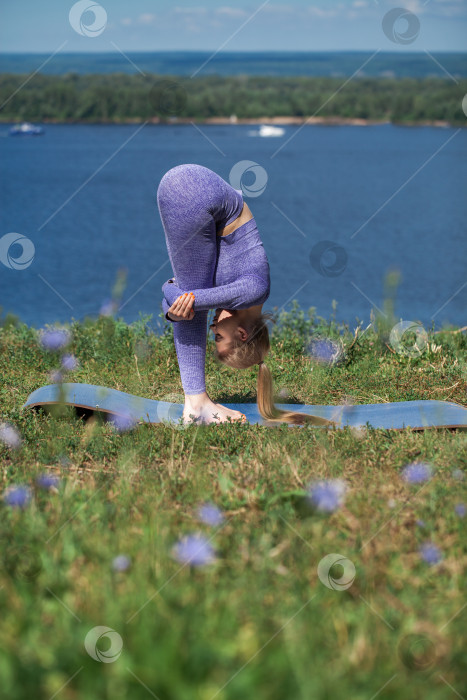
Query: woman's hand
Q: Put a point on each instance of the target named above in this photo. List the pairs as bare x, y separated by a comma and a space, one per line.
182, 308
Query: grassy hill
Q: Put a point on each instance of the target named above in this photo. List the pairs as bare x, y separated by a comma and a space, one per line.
253, 617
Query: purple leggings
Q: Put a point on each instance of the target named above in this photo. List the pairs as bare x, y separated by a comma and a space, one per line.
193, 202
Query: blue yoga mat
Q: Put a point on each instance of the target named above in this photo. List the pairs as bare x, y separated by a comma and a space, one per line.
417, 415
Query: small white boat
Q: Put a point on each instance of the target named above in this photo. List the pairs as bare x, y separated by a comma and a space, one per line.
269, 130
26, 129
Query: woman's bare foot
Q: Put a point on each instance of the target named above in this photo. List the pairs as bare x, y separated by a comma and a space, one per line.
230, 412
206, 412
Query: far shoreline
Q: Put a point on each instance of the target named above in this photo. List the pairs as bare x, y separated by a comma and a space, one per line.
233, 121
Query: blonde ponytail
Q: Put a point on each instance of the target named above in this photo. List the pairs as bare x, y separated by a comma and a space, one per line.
270, 412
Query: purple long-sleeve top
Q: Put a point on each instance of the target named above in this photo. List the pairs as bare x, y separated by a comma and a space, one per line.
236, 267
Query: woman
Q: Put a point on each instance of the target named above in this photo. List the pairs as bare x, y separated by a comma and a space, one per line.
219, 262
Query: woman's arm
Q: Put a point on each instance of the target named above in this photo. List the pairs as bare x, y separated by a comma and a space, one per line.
190, 335
241, 294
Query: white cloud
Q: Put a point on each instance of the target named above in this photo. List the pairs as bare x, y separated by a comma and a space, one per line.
280, 9
198, 19
449, 8
146, 18
190, 11
319, 12
364, 8
414, 6
435, 8
231, 11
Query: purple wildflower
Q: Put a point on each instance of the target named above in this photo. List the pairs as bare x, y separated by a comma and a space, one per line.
108, 308
194, 550
416, 472
460, 510
48, 481
327, 495
17, 496
420, 523
210, 514
430, 553
123, 422
121, 563
54, 339
69, 362
9, 435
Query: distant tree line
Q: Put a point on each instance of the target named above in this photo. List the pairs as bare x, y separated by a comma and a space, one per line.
119, 97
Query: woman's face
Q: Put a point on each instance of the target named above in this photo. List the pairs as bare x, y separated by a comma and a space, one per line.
225, 328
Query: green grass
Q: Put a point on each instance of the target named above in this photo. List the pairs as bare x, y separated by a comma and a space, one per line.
258, 622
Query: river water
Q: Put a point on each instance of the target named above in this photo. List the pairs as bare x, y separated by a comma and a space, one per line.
337, 208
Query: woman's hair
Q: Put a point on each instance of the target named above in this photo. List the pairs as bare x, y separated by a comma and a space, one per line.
252, 351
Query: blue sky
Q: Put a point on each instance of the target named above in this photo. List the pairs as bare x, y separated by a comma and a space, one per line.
152, 25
